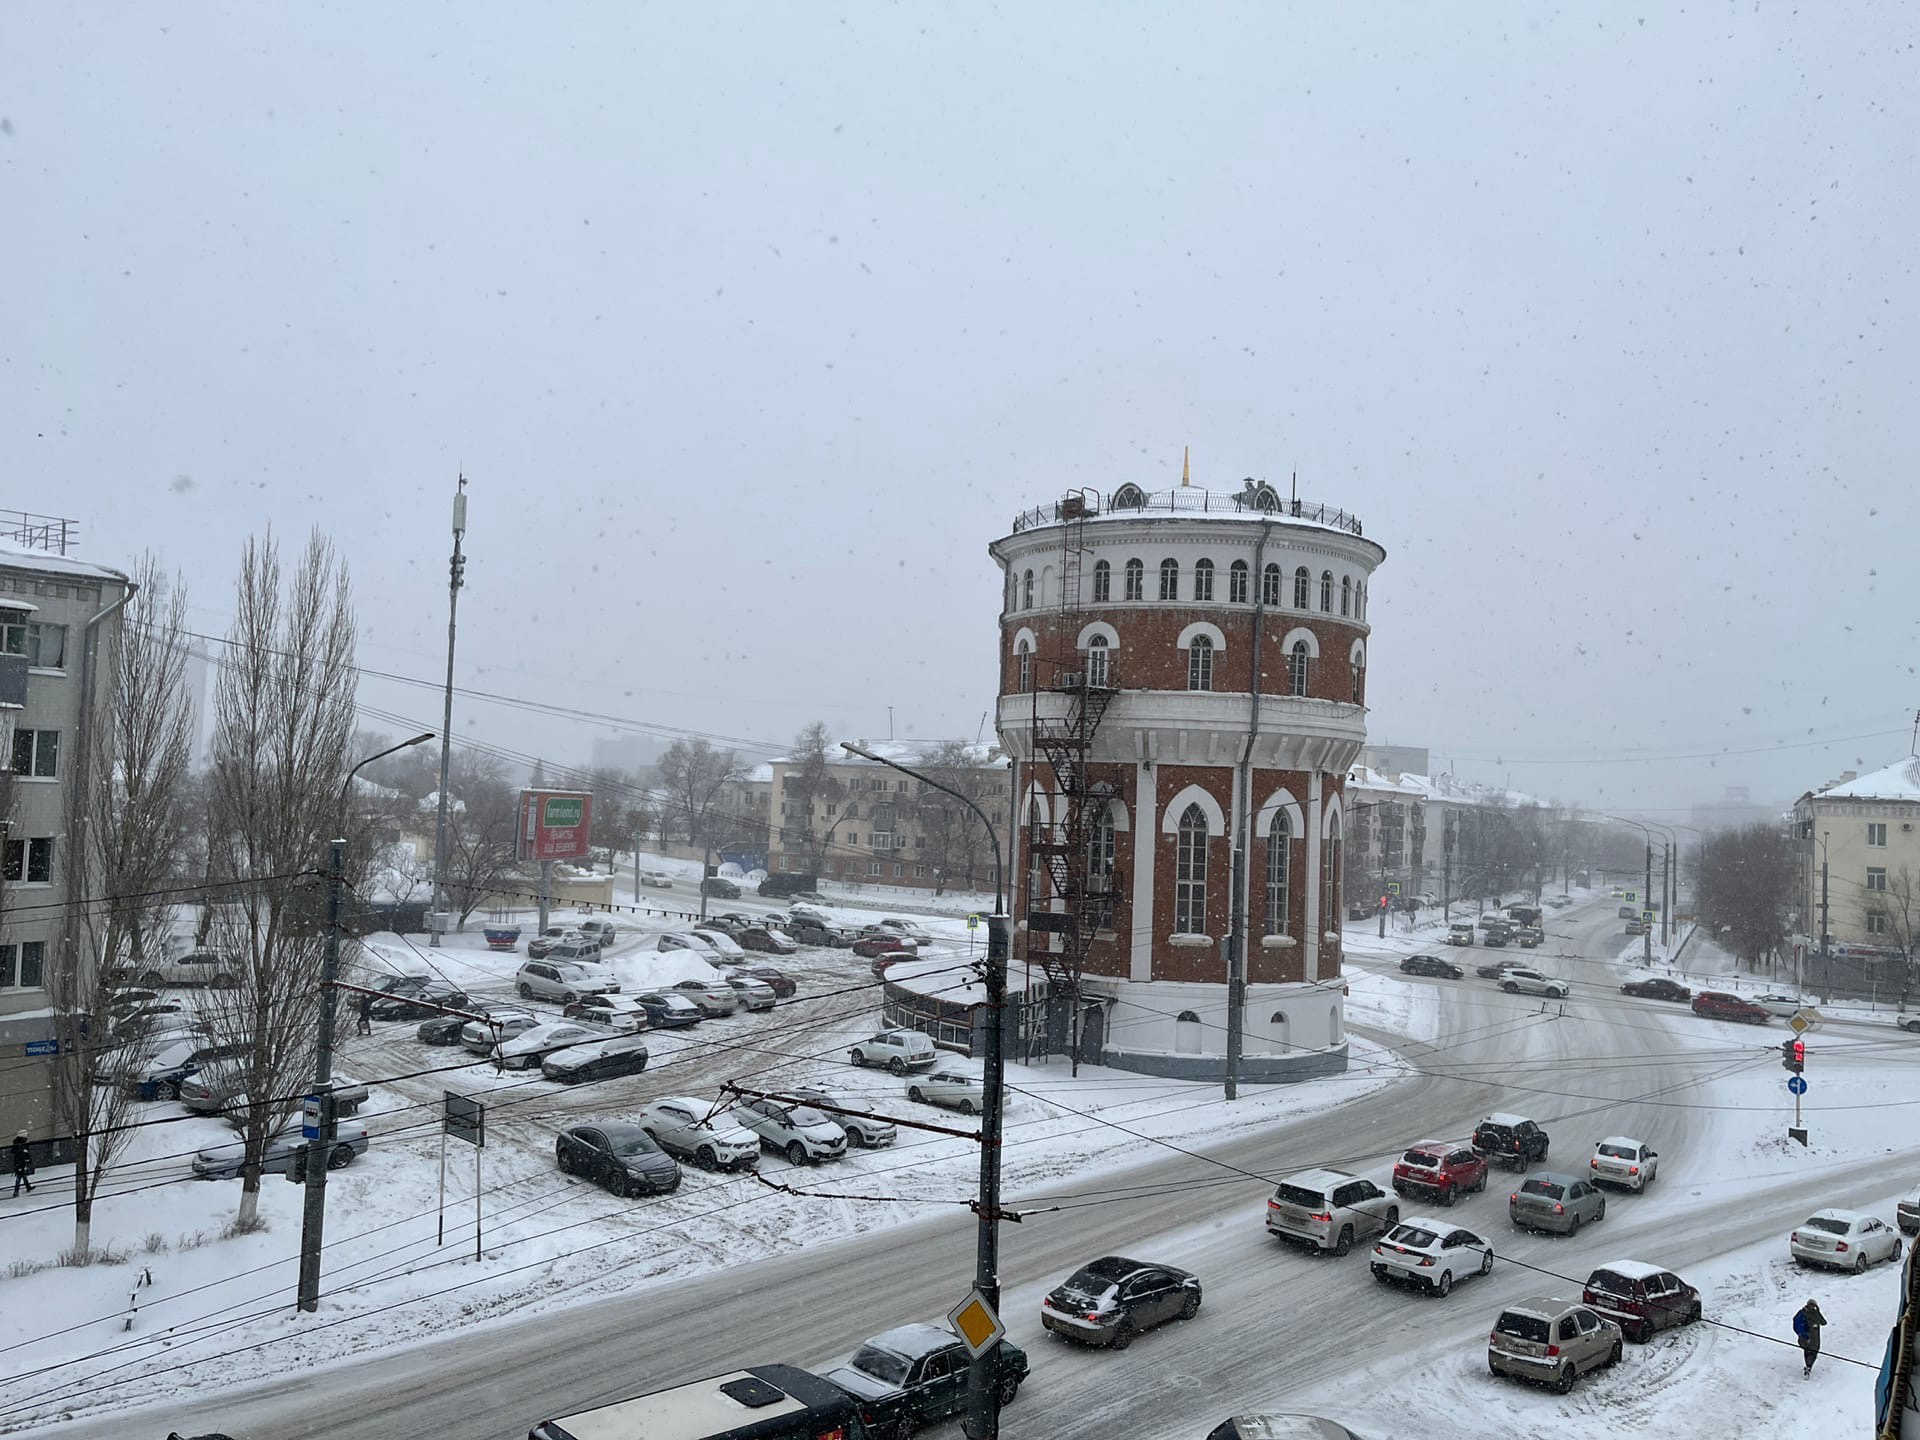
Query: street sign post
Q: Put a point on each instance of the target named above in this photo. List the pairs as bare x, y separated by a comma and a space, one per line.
975, 1323
465, 1119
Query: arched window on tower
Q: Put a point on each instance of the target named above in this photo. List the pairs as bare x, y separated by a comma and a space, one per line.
1098, 654
1346, 594
1296, 669
1330, 877
1302, 583
1360, 601
1237, 583
1203, 580
1169, 579
1102, 582
1190, 874
1128, 497
1023, 661
1326, 592
1359, 663
1100, 848
1136, 580
1279, 867
1270, 585
1200, 663
1027, 588
1037, 893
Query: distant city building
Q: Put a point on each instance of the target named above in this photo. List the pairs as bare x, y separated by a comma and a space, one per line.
1397, 759
1734, 809
1866, 830
632, 753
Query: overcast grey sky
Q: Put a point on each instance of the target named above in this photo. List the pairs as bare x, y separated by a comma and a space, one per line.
751, 326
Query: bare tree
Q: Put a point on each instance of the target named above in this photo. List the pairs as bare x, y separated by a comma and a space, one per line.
283, 715
1898, 907
957, 843
127, 819
809, 781
482, 835
1746, 880
692, 775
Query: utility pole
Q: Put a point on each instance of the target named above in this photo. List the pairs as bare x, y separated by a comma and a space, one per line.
456, 575
1446, 869
1826, 960
1646, 893
1666, 888
1236, 969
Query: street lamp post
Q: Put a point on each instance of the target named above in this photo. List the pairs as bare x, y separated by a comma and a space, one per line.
1646, 938
457, 570
983, 1393
314, 1214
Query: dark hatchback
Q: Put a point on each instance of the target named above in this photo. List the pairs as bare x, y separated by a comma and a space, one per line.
420, 1001
445, 1029
1431, 965
914, 1376
1113, 1299
663, 1014
1641, 1299
1657, 988
619, 1157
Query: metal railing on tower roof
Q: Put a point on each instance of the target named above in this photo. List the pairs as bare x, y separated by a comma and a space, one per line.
1255, 503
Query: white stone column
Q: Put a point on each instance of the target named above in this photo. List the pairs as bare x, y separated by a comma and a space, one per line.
1146, 854
1314, 842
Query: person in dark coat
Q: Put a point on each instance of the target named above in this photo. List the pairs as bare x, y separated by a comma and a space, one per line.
1807, 1321
22, 1163
366, 1013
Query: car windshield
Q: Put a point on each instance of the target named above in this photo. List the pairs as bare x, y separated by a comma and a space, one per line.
881, 1364
630, 1142
1523, 1326
1548, 1188
1421, 1158
1611, 1281
802, 1115
1829, 1224
1414, 1235
1617, 1152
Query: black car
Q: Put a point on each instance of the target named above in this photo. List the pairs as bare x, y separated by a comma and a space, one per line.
719, 888
1431, 965
419, 1002
915, 1376
1657, 988
663, 1014
1510, 1140
1113, 1299
1494, 970
1495, 936
445, 1029
621, 1157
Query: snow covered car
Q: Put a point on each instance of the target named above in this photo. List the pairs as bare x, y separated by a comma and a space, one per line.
951, 1086
448, 1029
480, 1036
1844, 1239
898, 1050
1110, 1300
860, 1129
617, 1012
221, 1089
225, 1162
603, 931
799, 1132
1432, 1254
419, 1000
1641, 1299
1552, 1341
667, 1010
161, 1075
1628, 1163
526, 1049
196, 967
680, 1127
624, 1053
563, 980
766, 939
781, 983
714, 997
908, 930
915, 1376
754, 994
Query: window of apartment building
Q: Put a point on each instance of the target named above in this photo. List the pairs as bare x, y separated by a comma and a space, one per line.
1237, 583
1330, 877
1360, 600
854, 839
1200, 663
36, 753
1102, 581
883, 817
1876, 922
23, 966
919, 872
1876, 832
1169, 579
1190, 874
1359, 676
45, 646
1203, 580
1136, 580
832, 805
1876, 877
1098, 653
29, 861
901, 786
1302, 583
919, 842
899, 872
1270, 585
1279, 862
1297, 669
873, 867
1326, 591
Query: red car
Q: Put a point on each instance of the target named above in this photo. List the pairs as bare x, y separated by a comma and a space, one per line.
1441, 1168
1718, 1005
1641, 1299
870, 947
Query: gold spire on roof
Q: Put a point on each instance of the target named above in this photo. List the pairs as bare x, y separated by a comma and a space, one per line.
1186, 465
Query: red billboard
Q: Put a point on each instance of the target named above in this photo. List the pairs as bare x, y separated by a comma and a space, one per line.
554, 824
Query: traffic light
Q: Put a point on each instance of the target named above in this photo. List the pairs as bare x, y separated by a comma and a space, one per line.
1383, 902
1793, 1055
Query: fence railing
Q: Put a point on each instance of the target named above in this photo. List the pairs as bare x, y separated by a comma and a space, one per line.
52, 533
1258, 503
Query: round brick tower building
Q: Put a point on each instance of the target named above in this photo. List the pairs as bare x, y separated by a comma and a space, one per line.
1183, 689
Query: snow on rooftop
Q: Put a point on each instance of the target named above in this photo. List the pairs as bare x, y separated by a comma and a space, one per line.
1630, 1269
1898, 781
15, 557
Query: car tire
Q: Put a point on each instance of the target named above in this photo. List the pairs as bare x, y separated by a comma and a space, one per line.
1639, 1332
166, 1091
1555, 993
854, 1142
1601, 1213
567, 997
1860, 1263
1448, 1195
914, 1094
896, 1066
153, 980
1007, 1389
859, 1057
796, 1154
1190, 1307
1481, 1184
1511, 988
223, 982
706, 1159
1443, 1287
1895, 1256
1393, 1217
340, 1157
1486, 1262
1345, 1242
1693, 1313
565, 1162
967, 1107
1563, 1382
1122, 1334
1619, 1349
1574, 1228
526, 991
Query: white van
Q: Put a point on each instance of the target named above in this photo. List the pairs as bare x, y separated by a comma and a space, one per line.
761, 1402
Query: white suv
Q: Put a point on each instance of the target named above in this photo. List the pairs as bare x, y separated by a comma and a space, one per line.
679, 1126
563, 980
898, 1050
196, 967
1330, 1210
1517, 979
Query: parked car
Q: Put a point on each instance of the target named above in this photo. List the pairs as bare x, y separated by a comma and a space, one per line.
720, 888
1430, 1253
1907, 1212
1549, 1200
1619, 1160
526, 1048
556, 979
1785, 1006
949, 1085
753, 994
1329, 1210
162, 1074
1110, 1300
1637, 926
809, 931
225, 1162
799, 1132
1909, 1023
1844, 1240
667, 1009
1627, 912
151, 1022
861, 1130
577, 945
216, 968
449, 1029
1494, 969
618, 1012
221, 1089
898, 1050
600, 931
782, 984
907, 930
656, 879
894, 947
1510, 1140
1531, 982
720, 925
1657, 988
1442, 1168
420, 1001
1641, 1299
480, 1036
1460, 933
886, 960
1431, 965
680, 1127
714, 997
766, 940
1719, 1005
915, 1376
717, 945
619, 1054
619, 1157
1552, 1341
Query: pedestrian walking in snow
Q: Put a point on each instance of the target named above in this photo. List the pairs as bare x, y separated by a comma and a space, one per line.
1807, 1321
366, 1013
22, 1163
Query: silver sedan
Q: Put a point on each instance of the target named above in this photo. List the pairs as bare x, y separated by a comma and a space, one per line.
1549, 1200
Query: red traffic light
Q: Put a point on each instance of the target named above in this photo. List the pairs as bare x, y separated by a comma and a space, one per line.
1799, 1052
1383, 902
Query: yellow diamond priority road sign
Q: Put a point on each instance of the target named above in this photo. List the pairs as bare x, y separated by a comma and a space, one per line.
1799, 1024
975, 1323
1804, 1019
